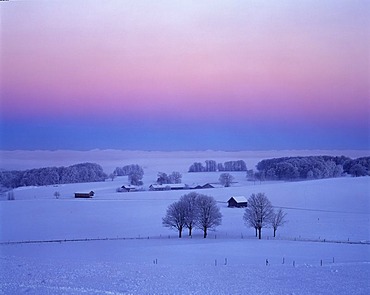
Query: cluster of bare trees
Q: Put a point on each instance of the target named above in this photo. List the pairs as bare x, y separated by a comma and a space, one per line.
134, 172
193, 210
174, 177
260, 213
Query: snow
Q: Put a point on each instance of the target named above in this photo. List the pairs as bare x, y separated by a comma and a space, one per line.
115, 243
240, 199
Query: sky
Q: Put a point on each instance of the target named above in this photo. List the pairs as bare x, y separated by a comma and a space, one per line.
185, 75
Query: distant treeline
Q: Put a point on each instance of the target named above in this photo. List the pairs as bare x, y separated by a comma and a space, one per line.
213, 166
315, 167
85, 172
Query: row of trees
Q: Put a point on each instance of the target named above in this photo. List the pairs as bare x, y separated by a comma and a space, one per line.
213, 166
315, 167
84, 172
195, 210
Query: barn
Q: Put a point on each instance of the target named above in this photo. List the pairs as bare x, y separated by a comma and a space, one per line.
238, 202
202, 186
167, 187
208, 185
128, 188
84, 195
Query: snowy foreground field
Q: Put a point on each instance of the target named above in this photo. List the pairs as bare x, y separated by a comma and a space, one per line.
115, 243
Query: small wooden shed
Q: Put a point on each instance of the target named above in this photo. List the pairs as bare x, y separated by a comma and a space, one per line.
84, 195
238, 202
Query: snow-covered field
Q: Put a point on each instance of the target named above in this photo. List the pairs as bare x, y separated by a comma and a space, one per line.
115, 243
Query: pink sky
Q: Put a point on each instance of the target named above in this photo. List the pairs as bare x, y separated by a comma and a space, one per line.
306, 62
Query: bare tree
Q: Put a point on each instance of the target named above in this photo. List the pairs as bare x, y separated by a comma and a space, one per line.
112, 176
175, 217
226, 179
191, 211
209, 215
252, 221
278, 220
135, 177
175, 177
163, 178
11, 195
259, 212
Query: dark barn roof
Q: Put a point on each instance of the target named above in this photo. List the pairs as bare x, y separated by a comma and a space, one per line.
84, 195
237, 202
128, 187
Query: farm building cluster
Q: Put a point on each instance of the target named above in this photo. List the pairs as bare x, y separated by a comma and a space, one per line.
235, 201
166, 187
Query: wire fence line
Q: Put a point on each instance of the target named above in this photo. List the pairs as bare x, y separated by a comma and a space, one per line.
210, 237
222, 260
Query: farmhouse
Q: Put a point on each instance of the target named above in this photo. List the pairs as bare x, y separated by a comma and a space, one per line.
238, 202
196, 186
167, 187
208, 185
84, 195
202, 186
128, 188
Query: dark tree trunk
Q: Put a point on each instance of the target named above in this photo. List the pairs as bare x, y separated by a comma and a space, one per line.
180, 233
275, 232
205, 232
190, 229
259, 233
